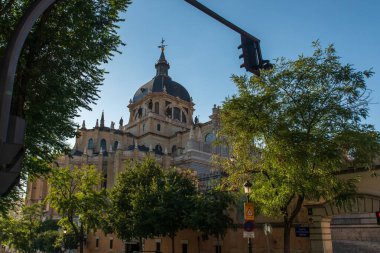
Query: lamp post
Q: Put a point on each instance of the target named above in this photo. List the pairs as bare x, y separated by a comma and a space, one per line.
63, 241
247, 190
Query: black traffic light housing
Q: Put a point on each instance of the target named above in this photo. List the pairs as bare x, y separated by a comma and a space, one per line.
253, 61
378, 217
251, 55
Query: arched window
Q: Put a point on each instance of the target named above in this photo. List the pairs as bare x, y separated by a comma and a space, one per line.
210, 137
169, 112
105, 181
157, 108
177, 113
103, 145
183, 117
115, 144
90, 144
158, 149
139, 113
174, 149
158, 127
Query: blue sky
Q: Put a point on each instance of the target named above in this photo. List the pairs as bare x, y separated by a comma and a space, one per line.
203, 53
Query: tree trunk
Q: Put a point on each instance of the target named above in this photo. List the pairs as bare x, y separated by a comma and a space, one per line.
287, 228
218, 248
288, 221
172, 236
199, 245
81, 239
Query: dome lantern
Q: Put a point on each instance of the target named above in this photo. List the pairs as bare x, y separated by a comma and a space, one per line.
162, 82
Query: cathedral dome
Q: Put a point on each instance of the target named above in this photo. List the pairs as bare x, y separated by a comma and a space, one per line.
162, 82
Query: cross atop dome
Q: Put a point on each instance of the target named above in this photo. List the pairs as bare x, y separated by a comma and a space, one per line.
162, 65
162, 46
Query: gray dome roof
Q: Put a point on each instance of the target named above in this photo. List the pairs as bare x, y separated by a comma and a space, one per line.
157, 84
162, 82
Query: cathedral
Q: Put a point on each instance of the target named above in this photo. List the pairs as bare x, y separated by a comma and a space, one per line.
161, 124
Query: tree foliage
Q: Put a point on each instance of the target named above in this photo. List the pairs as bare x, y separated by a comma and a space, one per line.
294, 128
47, 237
149, 201
131, 200
211, 213
60, 70
12, 200
74, 193
26, 232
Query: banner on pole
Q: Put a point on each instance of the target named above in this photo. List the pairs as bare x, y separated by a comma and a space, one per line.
249, 211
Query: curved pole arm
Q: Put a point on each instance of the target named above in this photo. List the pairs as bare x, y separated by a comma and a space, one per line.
12, 129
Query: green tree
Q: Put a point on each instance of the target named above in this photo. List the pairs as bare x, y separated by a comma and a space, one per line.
132, 198
11, 201
176, 195
294, 128
59, 73
20, 230
211, 214
148, 201
74, 193
47, 237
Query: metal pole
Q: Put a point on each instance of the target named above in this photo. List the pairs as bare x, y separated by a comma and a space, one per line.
10, 59
249, 238
12, 128
221, 19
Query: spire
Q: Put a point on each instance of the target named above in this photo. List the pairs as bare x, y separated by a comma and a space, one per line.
162, 66
102, 120
97, 123
84, 125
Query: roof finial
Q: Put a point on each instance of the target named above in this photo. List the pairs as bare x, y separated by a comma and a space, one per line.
102, 120
162, 46
162, 66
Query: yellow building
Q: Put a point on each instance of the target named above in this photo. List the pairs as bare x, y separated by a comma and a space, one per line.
161, 124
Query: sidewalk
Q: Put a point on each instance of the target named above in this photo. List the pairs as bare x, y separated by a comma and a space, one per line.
343, 246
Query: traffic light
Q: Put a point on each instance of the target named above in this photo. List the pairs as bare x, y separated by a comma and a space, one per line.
253, 60
378, 217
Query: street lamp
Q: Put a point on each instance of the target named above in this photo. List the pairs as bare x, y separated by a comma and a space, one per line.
63, 240
247, 190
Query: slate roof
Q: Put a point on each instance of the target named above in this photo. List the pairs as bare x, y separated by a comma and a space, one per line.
162, 82
157, 84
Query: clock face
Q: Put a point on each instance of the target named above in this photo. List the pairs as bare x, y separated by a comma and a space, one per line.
210, 137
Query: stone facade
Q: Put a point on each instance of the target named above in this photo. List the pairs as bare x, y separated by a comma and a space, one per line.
161, 124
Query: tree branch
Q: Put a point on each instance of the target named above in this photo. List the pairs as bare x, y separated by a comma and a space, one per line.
6, 7
297, 208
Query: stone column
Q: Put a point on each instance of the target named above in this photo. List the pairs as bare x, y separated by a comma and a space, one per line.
320, 235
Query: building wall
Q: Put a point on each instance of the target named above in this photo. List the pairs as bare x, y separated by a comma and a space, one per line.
185, 144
